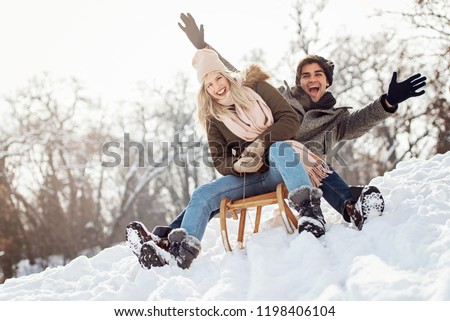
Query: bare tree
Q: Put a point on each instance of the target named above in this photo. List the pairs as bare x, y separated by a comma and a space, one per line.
11, 231
51, 193
432, 19
364, 65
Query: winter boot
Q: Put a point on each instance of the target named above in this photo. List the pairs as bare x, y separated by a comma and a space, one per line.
370, 202
153, 256
162, 232
155, 252
354, 215
137, 234
306, 202
184, 248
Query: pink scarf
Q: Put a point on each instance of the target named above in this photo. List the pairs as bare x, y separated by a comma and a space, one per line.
249, 123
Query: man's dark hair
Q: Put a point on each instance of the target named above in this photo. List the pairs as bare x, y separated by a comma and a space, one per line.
325, 64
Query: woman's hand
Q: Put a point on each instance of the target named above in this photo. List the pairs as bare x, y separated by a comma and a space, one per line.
190, 28
251, 159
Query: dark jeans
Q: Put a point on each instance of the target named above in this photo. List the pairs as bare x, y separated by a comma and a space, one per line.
335, 191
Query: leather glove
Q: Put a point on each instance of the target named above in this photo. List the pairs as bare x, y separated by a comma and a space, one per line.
251, 159
196, 36
401, 91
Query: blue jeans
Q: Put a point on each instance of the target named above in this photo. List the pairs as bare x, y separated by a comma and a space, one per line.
284, 167
335, 192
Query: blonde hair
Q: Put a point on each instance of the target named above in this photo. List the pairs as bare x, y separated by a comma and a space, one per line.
208, 107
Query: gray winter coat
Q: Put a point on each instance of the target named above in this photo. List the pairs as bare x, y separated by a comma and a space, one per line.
321, 129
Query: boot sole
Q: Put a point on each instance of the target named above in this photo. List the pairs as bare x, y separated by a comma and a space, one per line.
372, 202
150, 256
312, 227
135, 239
136, 235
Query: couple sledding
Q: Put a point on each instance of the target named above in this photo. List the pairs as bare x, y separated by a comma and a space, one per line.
257, 136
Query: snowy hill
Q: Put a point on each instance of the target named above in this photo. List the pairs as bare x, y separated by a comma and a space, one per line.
403, 255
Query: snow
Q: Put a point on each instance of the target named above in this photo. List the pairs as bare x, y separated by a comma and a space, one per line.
403, 255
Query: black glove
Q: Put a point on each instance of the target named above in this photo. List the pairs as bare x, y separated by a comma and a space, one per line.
400, 91
195, 35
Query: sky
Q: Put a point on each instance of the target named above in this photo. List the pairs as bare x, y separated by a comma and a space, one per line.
403, 255
110, 45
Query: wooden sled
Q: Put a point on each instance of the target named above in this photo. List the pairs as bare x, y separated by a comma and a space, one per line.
238, 210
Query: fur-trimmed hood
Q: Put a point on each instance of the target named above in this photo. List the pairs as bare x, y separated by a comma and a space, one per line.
253, 74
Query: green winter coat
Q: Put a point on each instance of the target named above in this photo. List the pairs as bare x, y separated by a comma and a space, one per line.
225, 147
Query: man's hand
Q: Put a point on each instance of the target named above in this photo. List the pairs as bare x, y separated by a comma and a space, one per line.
285, 91
190, 28
401, 91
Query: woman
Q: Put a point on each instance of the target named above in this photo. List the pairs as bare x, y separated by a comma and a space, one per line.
242, 118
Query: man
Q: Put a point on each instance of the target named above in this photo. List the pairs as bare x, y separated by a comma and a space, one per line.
323, 125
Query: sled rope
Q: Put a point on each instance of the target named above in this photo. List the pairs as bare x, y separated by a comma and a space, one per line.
243, 199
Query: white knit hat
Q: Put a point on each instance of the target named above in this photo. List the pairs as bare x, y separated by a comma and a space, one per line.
205, 61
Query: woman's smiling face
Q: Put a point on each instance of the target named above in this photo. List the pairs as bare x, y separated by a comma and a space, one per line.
217, 85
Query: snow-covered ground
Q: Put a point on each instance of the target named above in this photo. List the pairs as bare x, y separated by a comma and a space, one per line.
402, 255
